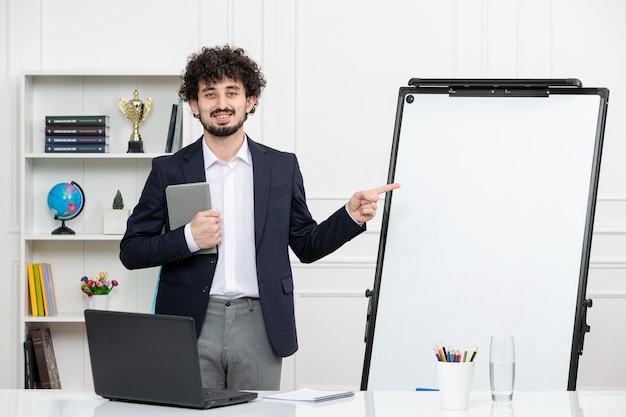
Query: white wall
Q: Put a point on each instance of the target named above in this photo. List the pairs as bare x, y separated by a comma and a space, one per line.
333, 70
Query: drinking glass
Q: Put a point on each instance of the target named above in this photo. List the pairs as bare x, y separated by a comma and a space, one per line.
502, 368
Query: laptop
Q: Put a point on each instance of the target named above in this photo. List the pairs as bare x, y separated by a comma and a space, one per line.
152, 359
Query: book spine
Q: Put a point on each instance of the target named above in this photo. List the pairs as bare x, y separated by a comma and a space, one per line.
77, 120
29, 381
40, 357
77, 148
44, 296
53, 297
64, 140
177, 140
31, 374
170, 131
38, 292
77, 130
43, 270
31, 290
51, 362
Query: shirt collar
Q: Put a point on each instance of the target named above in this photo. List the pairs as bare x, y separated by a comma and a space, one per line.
243, 154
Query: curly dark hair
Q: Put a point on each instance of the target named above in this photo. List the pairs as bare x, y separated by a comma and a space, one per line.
214, 64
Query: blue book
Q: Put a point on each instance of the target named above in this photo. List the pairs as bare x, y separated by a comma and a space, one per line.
64, 140
77, 148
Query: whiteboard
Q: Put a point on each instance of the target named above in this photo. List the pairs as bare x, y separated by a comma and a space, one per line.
489, 234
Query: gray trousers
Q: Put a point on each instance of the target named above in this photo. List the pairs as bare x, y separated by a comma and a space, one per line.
233, 347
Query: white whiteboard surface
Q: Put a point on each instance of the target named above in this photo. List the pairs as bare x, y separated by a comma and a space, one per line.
485, 236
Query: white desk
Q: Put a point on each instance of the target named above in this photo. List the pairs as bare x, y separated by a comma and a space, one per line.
59, 403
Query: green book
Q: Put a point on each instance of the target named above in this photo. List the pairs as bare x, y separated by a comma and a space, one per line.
38, 291
83, 120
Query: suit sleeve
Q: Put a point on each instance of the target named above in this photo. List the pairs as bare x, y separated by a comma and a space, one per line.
309, 240
148, 241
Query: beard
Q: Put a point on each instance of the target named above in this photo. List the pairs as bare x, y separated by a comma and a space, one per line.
223, 131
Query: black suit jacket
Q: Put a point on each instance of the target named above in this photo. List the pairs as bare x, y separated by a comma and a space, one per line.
281, 220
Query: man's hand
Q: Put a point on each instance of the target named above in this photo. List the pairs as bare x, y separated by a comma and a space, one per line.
206, 229
362, 204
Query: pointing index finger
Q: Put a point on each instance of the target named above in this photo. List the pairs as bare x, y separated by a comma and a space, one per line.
386, 188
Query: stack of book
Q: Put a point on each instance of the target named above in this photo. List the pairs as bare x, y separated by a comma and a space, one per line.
40, 364
41, 290
78, 134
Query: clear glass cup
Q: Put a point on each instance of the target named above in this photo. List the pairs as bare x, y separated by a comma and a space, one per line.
502, 368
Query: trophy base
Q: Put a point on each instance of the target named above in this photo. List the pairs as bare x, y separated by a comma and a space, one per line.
135, 147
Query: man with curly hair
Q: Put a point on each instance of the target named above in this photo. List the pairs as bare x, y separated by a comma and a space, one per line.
241, 298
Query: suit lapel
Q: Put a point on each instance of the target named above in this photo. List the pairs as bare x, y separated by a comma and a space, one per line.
193, 165
261, 167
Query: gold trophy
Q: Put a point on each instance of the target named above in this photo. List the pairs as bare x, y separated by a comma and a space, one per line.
136, 111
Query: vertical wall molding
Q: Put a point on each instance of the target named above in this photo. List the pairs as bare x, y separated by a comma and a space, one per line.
10, 107
521, 38
486, 32
13, 115
298, 76
13, 331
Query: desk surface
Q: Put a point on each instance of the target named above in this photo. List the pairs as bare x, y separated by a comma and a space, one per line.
60, 403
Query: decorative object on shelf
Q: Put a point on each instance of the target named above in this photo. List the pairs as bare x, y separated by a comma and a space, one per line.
118, 201
66, 200
114, 220
98, 302
136, 111
97, 288
97, 285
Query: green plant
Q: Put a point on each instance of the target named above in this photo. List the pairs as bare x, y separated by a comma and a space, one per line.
118, 201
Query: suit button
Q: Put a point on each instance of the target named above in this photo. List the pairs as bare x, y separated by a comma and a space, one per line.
205, 289
212, 260
227, 303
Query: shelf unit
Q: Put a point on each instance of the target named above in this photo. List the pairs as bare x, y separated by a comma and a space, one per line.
100, 175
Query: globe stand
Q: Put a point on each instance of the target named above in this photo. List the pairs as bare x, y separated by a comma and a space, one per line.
63, 230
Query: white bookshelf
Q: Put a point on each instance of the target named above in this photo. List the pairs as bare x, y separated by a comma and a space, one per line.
100, 176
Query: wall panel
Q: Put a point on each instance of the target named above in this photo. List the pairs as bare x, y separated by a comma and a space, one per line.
331, 329
139, 35
602, 366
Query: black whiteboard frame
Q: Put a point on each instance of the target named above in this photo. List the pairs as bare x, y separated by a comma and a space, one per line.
497, 88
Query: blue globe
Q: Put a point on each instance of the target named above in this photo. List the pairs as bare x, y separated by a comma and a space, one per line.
66, 200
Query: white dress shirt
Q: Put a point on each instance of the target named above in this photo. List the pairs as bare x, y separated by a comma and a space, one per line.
232, 194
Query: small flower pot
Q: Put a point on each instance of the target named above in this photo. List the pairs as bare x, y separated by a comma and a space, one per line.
115, 221
98, 302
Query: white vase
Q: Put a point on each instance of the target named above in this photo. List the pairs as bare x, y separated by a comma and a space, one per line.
98, 302
114, 221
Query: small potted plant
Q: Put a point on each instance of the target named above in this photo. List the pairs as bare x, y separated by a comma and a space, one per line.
115, 217
97, 289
